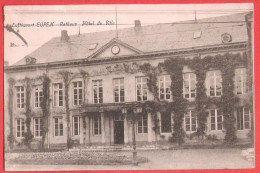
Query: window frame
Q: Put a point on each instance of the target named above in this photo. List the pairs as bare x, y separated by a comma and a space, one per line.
142, 88
241, 73
73, 127
57, 103
190, 119
243, 116
77, 89
40, 121
216, 120
21, 130
60, 121
98, 86
161, 127
38, 96
215, 77
99, 128
18, 95
189, 85
165, 87
119, 85
144, 129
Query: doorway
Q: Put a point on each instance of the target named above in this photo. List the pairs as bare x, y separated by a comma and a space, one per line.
118, 129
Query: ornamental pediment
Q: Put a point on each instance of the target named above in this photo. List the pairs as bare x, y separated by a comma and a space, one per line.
115, 48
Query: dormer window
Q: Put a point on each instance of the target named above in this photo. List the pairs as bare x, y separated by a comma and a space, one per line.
93, 46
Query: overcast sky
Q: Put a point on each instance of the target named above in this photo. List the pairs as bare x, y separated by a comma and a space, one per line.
126, 14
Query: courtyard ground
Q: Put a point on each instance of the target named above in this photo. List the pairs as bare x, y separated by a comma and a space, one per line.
161, 159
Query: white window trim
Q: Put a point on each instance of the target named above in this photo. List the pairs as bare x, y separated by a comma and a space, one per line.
20, 93
215, 83
99, 124
93, 95
190, 122
142, 125
40, 89
189, 80
119, 87
59, 118
34, 127
244, 119
73, 127
216, 120
141, 88
77, 88
21, 120
164, 87
241, 76
53, 90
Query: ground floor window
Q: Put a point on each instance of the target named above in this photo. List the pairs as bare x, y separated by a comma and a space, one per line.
142, 124
37, 127
97, 125
166, 122
58, 126
76, 125
190, 121
243, 118
20, 128
216, 119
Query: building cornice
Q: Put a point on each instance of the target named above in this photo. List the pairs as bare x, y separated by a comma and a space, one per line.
150, 55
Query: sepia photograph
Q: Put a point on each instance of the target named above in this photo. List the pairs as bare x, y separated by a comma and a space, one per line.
129, 87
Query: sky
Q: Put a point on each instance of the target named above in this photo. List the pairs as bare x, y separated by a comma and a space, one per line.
125, 16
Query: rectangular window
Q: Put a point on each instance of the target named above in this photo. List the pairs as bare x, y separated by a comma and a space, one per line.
241, 81
190, 121
38, 96
37, 127
20, 128
57, 95
19, 97
119, 91
165, 87
76, 125
215, 83
243, 118
97, 125
216, 119
58, 126
77, 93
142, 124
189, 85
166, 122
97, 91
141, 88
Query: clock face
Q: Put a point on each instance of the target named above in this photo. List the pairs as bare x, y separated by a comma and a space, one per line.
115, 49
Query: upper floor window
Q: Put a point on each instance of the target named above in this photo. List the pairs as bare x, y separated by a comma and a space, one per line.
97, 125
58, 126
57, 95
119, 91
215, 83
189, 85
141, 88
37, 127
241, 81
97, 91
19, 97
76, 125
142, 124
216, 119
243, 118
165, 87
19, 128
77, 93
190, 121
38, 96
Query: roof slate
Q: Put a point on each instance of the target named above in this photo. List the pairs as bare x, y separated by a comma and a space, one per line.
152, 38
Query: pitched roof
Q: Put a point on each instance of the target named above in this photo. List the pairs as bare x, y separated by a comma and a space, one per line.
151, 38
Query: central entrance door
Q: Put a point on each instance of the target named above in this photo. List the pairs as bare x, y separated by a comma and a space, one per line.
118, 129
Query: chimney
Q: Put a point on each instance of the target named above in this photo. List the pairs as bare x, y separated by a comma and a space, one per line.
64, 35
137, 25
